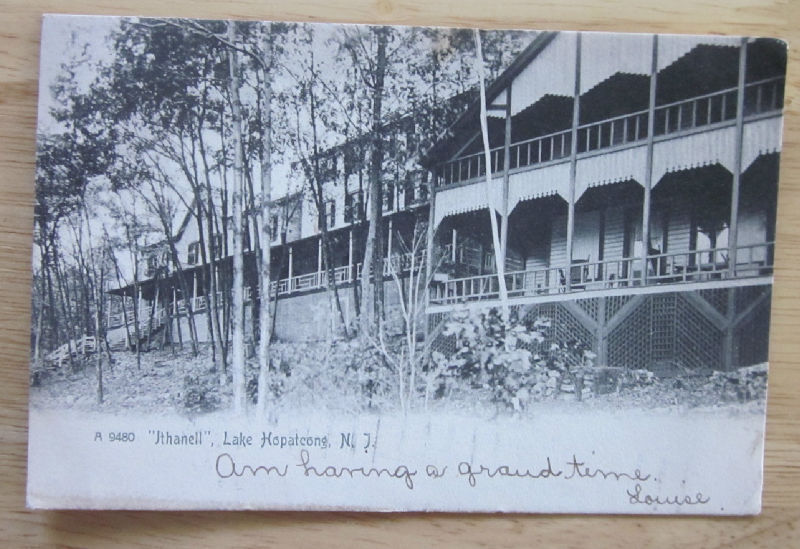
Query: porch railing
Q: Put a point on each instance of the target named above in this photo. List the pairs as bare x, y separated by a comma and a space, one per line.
306, 282
760, 97
127, 315
668, 268
77, 347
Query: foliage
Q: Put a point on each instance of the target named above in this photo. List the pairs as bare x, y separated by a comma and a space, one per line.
508, 360
338, 375
200, 393
494, 355
742, 385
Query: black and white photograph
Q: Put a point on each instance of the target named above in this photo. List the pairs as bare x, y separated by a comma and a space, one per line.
320, 266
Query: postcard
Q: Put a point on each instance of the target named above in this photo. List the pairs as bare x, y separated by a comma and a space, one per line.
313, 266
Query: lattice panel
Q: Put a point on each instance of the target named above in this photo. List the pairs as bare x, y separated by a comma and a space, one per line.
662, 326
745, 295
629, 342
614, 303
564, 326
698, 342
590, 306
441, 343
752, 337
717, 298
445, 344
435, 319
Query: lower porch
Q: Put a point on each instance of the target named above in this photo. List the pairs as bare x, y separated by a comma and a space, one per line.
686, 234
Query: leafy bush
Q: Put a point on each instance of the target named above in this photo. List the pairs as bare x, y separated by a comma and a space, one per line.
741, 385
200, 393
335, 375
494, 355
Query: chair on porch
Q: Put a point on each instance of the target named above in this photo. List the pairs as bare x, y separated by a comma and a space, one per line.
578, 276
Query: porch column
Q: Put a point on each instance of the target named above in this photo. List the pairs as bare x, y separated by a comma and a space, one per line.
733, 230
319, 255
602, 332
729, 351
429, 253
453, 244
290, 267
573, 159
350, 270
389, 241
648, 174
506, 166
194, 287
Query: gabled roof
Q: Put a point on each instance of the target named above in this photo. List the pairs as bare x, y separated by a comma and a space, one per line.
470, 117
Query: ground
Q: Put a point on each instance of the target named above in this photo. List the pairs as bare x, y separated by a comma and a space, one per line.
176, 381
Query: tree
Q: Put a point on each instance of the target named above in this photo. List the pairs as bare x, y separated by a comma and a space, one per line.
499, 256
318, 113
237, 299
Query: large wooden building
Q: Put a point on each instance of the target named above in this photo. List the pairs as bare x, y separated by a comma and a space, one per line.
634, 180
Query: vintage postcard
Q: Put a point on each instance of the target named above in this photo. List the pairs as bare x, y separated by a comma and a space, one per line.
312, 266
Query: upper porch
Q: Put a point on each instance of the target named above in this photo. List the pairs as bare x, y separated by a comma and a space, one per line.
618, 164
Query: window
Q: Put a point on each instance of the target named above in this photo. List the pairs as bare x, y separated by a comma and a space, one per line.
391, 145
327, 167
422, 191
328, 215
274, 226
352, 160
415, 189
218, 246
388, 197
152, 264
194, 253
353, 206
408, 191
411, 135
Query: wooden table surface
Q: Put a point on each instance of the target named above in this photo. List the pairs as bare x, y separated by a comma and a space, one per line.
778, 525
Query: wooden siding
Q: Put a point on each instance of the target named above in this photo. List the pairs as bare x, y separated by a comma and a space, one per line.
614, 233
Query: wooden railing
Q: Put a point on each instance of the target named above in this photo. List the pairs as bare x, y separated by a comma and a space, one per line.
668, 268
81, 346
302, 283
128, 316
763, 96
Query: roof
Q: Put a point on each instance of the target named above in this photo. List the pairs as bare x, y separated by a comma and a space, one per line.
469, 117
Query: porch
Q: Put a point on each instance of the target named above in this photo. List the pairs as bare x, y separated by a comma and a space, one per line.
696, 268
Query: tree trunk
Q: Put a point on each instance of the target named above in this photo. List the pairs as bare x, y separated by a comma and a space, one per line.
372, 289
265, 239
237, 294
498, 251
216, 332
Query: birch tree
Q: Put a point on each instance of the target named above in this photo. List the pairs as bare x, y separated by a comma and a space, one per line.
237, 294
499, 258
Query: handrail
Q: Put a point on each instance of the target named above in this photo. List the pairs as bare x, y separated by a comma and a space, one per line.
586, 130
752, 260
301, 283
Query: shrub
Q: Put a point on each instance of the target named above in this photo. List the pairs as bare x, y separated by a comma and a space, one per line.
741, 385
200, 393
494, 355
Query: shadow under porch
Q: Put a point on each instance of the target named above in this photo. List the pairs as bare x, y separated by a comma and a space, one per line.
675, 331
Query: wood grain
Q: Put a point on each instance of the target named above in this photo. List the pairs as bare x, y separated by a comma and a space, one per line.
776, 526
